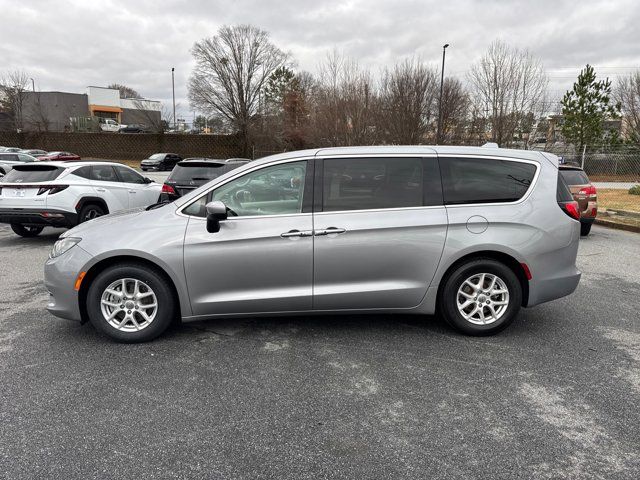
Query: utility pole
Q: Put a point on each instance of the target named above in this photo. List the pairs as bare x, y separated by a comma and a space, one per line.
438, 134
173, 89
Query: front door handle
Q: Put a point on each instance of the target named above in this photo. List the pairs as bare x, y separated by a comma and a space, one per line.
330, 231
100, 190
297, 233
132, 191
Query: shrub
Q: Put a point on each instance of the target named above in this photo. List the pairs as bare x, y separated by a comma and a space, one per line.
635, 190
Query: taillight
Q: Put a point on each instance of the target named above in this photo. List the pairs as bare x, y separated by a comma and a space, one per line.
571, 209
168, 189
590, 190
52, 189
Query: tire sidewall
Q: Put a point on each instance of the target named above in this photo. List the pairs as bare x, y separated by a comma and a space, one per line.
164, 296
23, 231
87, 208
448, 299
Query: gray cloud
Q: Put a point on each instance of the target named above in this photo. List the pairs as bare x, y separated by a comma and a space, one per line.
67, 45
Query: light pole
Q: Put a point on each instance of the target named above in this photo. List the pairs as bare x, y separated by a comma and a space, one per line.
173, 90
438, 134
33, 85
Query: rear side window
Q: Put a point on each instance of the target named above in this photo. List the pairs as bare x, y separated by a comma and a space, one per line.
103, 173
469, 180
373, 183
198, 171
9, 157
563, 194
574, 177
32, 174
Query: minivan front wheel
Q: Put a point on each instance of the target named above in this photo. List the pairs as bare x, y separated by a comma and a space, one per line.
481, 297
130, 303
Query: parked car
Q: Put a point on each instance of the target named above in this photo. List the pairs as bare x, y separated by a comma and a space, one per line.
110, 125
35, 152
134, 128
584, 192
160, 161
60, 157
40, 194
11, 149
476, 232
192, 173
8, 160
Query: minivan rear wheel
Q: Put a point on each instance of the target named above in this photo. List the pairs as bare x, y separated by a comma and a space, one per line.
481, 297
130, 303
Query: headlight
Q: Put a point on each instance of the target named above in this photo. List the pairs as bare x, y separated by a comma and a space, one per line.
62, 245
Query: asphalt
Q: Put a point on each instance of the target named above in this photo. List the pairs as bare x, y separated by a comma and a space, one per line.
556, 395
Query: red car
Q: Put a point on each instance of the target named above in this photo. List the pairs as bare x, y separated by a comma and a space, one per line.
59, 157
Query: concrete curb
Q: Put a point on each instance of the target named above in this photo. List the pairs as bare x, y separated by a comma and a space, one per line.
617, 226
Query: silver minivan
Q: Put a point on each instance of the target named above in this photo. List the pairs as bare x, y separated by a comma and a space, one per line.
471, 233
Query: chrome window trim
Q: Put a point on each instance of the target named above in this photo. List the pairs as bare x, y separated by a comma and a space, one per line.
180, 212
392, 209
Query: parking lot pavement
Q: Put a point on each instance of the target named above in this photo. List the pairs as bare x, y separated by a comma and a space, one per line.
555, 395
159, 177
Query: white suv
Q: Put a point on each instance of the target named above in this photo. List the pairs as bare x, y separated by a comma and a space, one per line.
57, 194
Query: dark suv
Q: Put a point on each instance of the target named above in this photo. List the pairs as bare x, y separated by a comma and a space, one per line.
160, 161
192, 173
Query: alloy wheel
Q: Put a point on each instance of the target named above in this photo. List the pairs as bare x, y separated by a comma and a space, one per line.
483, 298
129, 305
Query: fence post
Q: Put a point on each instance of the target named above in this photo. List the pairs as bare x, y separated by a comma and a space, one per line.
584, 149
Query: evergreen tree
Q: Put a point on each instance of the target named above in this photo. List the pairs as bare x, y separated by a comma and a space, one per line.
585, 109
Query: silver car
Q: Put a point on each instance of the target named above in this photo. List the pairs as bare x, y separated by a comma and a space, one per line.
472, 233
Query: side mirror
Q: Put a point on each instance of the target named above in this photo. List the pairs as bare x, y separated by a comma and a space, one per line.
216, 211
147, 180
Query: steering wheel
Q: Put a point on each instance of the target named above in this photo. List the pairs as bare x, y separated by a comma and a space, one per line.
242, 196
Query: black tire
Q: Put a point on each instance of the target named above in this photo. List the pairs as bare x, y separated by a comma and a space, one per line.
448, 299
89, 212
165, 300
26, 231
585, 228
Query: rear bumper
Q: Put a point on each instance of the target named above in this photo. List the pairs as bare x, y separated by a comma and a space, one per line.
42, 217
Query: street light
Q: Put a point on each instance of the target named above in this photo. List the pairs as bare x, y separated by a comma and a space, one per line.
444, 51
33, 84
173, 90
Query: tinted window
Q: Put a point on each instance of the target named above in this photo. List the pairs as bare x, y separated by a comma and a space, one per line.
84, 172
574, 177
156, 156
129, 176
25, 158
369, 183
198, 171
276, 190
467, 180
9, 158
563, 194
32, 174
103, 173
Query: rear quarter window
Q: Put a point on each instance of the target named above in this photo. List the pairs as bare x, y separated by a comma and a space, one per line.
482, 180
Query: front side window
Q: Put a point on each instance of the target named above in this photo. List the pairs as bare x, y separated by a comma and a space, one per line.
275, 190
482, 180
372, 183
129, 176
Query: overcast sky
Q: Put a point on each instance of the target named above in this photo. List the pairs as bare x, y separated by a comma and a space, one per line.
67, 45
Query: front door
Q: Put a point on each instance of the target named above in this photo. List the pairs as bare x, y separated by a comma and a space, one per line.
380, 234
261, 260
108, 186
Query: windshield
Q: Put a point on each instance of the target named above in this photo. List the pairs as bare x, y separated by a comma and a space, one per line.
32, 174
198, 171
574, 177
157, 156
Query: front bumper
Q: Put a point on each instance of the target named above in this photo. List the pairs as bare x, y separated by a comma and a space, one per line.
42, 217
149, 166
60, 275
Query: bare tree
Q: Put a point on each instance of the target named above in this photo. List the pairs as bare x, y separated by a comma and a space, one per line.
231, 70
508, 84
345, 103
455, 110
13, 91
408, 102
627, 93
125, 92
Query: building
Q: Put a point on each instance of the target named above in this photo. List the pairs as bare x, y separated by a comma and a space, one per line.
52, 111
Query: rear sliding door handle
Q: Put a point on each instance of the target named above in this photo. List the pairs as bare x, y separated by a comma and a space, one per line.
297, 233
329, 231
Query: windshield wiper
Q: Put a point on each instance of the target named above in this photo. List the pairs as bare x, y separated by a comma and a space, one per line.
158, 205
